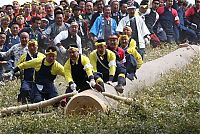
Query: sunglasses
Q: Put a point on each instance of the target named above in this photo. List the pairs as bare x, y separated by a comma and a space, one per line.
156, 3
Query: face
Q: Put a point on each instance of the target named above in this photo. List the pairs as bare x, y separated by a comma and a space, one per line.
131, 12
89, 7
82, 5
127, 31
107, 11
67, 13
36, 24
124, 42
50, 58
15, 29
73, 55
76, 12
27, 9
100, 6
73, 29
101, 49
59, 19
5, 22
34, 7
24, 37
169, 3
63, 4
15, 5
20, 21
155, 5
197, 4
113, 43
115, 6
32, 48
49, 9
143, 9
124, 8
43, 24
2, 39
9, 10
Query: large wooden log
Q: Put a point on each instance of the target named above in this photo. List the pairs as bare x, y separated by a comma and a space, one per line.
147, 75
87, 101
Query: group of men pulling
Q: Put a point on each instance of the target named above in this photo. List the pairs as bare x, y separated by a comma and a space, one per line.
108, 63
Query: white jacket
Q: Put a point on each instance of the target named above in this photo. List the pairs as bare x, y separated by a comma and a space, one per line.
141, 27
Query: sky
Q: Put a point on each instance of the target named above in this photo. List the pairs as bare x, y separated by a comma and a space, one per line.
6, 2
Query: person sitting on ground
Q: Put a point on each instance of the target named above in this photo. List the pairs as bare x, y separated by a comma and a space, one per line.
79, 73
27, 80
128, 31
103, 61
46, 70
133, 58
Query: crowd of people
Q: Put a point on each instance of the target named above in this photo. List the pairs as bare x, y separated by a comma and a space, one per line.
89, 43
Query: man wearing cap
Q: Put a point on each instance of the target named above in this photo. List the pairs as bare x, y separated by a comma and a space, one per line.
104, 25
150, 17
27, 80
66, 38
103, 61
46, 70
140, 31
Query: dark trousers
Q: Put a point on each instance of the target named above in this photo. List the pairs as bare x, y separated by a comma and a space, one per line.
49, 91
25, 92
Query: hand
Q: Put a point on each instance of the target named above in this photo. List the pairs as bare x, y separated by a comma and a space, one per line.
43, 36
147, 41
194, 25
92, 83
73, 86
8, 75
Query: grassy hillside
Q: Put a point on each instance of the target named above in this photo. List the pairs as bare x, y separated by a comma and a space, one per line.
172, 105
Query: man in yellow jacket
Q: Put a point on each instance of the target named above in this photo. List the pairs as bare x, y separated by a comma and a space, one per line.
27, 80
133, 58
46, 70
79, 73
103, 61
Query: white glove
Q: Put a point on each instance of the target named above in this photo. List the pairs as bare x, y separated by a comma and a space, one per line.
62, 49
8, 75
147, 41
73, 86
194, 25
92, 83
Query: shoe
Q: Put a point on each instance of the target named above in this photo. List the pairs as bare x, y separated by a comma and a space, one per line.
100, 87
119, 88
130, 76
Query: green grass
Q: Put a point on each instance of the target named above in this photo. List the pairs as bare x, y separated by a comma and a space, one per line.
172, 105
